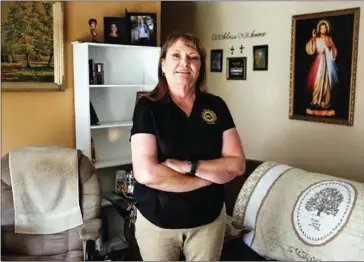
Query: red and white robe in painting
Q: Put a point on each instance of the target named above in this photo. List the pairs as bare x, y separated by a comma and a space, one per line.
323, 75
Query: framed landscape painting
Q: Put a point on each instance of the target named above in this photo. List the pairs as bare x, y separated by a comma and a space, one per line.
324, 52
32, 52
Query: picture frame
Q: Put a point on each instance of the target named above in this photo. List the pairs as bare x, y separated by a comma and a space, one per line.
41, 66
139, 94
216, 58
260, 58
142, 28
311, 99
115, 30
236, 68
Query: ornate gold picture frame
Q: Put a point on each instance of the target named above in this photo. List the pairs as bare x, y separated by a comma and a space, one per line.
324, 51
32, 57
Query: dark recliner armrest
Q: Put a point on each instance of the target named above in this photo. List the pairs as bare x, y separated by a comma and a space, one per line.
90, 232
91, 229
91, 254
233, 187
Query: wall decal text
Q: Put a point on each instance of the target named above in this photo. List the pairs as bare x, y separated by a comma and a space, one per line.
233, 36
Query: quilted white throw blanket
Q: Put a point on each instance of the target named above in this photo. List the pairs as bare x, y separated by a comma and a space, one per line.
297, 215
45, 189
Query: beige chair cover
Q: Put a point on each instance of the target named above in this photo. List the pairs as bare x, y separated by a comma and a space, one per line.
297, 215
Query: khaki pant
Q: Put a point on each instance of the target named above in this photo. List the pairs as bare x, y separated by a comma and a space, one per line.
202, 243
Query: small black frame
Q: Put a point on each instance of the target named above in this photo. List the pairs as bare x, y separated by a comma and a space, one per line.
236, 68
260, 58
122, 34
216, 58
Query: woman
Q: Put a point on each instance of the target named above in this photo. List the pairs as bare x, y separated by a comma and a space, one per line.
143, 32
184, 148
323, 75
114, 36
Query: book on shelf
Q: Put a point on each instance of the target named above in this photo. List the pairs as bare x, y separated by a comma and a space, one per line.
99, 73
94, 120
96, 72
93, 151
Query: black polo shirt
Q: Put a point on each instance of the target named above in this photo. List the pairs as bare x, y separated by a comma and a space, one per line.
197, 137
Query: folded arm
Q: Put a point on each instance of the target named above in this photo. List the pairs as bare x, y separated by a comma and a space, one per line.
229, 166
221, 170
149, 172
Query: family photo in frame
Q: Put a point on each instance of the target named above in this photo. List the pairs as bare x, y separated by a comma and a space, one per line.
115, 30
324, 51
142, 28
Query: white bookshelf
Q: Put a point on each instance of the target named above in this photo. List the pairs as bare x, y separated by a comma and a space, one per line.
112, 124
127, 70
147, 87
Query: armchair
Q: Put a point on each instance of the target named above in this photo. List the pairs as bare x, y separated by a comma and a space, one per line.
79, 243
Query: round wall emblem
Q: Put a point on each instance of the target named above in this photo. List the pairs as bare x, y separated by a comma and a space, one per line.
209, 116
322, 210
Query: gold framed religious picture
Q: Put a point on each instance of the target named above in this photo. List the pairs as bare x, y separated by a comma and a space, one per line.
32, 46
324, 51
260, 54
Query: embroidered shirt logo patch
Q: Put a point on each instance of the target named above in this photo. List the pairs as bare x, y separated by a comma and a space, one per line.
209, 116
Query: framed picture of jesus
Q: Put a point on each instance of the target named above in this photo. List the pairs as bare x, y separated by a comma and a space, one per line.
324, 49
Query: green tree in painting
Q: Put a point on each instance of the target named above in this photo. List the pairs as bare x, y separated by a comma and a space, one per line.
27, 37
43, 44
9, 34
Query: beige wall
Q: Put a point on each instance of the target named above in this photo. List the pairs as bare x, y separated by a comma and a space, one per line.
260, 104
48, 118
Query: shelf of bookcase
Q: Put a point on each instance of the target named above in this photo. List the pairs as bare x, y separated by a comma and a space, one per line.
105, 45
103, 163
144, 87
112, 124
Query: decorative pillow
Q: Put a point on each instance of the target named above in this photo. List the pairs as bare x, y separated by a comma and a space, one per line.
298, 215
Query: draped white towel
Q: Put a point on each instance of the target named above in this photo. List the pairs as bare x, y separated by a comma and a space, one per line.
45, 189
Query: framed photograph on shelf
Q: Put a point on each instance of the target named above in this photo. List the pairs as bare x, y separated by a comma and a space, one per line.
32, 46
139, 94
260, 61
142, 28
216, 59
324, 50
115, 30
236, 68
